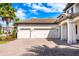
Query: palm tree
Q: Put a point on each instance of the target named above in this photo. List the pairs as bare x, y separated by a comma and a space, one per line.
7, 12
0, 28
17, 19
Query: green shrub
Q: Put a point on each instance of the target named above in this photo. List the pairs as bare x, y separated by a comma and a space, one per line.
2, 38
14, 33
0, 29
6, 38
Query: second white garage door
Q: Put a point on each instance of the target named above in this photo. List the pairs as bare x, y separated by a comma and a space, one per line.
44, 33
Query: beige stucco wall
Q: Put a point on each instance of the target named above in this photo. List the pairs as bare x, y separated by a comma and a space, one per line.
65, 34
65, 31
77, 35
76, 20
64, 23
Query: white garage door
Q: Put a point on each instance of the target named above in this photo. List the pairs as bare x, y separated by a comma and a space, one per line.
23, 33
44, 33
37, 33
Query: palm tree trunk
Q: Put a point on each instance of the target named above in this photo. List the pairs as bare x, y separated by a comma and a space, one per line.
7, 28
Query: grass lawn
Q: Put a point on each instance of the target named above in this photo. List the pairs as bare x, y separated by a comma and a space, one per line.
3, 42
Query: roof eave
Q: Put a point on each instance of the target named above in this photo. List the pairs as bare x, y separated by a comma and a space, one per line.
68, 6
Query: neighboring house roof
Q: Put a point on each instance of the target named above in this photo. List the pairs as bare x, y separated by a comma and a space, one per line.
8, 27
38, 21
68, 6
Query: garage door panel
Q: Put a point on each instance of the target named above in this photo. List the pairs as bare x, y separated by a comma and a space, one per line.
24, 34
52, 34
39, 34
43, 34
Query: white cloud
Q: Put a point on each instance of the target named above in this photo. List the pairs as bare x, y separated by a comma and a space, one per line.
20, 9
41, 7
24, 4
57, 6
54, 7
20, 14
16, 7
34, 17
27, 4
33, 11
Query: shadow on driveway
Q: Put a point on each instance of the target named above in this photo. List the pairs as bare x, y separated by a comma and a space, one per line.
60, 42
56, 51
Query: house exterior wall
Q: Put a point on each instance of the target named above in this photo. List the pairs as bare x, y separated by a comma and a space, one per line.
69, 25
37, 26
77, 35
69, 9
65, 28
65, 32
76, 20
59, 32
77, 8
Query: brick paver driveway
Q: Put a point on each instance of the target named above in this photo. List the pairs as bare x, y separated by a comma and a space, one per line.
42, 47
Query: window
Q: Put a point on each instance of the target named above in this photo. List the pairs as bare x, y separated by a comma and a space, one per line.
76, 28
69, 10
72, 10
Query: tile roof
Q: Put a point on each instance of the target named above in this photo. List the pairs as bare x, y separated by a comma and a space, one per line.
37, 21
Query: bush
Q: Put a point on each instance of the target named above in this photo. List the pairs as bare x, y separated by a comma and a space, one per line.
2, 38
6, 38
9, 37
0, 29
14, 33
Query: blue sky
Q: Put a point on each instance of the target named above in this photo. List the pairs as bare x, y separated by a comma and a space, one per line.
26, 11
38, 10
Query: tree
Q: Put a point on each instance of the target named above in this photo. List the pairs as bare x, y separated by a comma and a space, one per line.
0, 29
7, 12
17, 19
